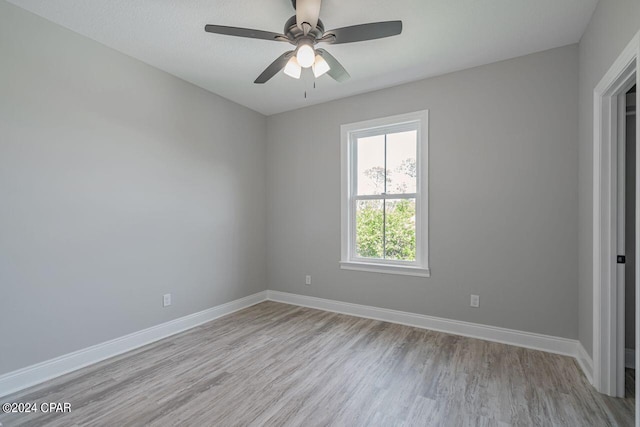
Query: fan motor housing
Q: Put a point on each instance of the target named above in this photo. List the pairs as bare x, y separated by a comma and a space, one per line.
292, 31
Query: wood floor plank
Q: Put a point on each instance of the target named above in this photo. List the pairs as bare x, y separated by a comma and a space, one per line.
275, 364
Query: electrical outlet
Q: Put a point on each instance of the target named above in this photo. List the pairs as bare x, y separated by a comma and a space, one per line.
307, 280
475, 301
166, 300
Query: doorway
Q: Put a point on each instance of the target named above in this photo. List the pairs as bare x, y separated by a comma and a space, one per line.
611, 255
628, 138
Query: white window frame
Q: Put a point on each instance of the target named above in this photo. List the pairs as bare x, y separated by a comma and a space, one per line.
419, 121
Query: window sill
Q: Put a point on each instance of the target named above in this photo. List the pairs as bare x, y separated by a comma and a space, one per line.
385, 268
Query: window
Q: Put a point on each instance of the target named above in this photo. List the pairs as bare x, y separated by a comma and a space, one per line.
384, 195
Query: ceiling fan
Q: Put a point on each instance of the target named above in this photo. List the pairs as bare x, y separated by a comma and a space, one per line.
305, 30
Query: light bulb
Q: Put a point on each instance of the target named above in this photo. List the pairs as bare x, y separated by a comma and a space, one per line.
293, 69
320, 66
306, 56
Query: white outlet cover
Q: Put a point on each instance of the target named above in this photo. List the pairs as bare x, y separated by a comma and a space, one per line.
166, 300
475, 301
307, 280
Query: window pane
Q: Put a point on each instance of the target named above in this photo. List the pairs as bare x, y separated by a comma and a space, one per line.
400, 229
369, 228
370, 159
401, 162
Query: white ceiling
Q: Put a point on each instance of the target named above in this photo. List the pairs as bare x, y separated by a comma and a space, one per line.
439, 36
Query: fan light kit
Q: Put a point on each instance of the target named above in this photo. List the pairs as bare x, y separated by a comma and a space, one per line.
304, 31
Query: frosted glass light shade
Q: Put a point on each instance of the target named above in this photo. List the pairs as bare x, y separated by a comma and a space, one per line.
320, 66
293, 69
305, 55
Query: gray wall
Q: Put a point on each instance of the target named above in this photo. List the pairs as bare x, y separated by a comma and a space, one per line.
119, 183
503, 196
612, 26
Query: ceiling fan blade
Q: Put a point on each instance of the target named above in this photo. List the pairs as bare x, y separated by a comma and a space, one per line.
244, 32
274, 68
337, 71
307, 11
362, 32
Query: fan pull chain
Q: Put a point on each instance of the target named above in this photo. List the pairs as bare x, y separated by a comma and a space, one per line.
305, 92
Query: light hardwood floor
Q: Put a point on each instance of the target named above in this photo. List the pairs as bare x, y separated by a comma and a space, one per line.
276, 364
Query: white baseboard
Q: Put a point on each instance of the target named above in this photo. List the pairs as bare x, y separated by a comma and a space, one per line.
630, 358
585, 362
35, 374
550, 344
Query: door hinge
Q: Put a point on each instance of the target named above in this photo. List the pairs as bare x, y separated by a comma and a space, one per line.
621, 259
